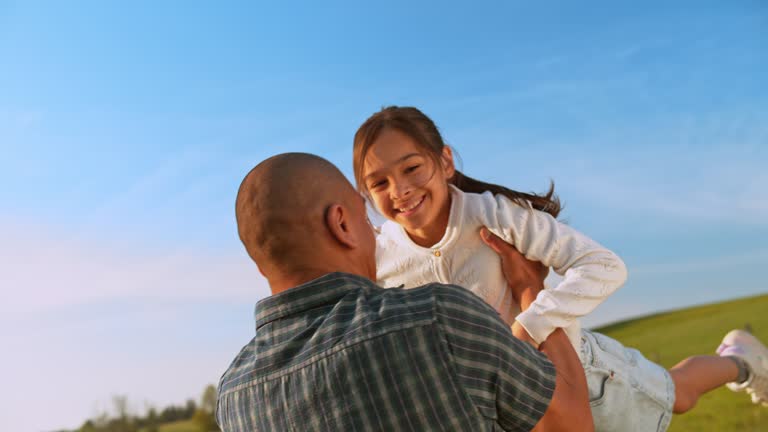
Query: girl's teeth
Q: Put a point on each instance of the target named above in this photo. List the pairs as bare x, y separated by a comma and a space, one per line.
405, 209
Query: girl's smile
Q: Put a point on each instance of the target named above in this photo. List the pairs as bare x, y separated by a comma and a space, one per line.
409, 209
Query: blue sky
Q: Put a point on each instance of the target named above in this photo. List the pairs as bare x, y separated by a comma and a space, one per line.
126, 129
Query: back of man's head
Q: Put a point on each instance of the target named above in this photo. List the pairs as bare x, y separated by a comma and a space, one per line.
281, 211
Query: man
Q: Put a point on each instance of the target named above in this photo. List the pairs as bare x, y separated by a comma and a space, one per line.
335, 352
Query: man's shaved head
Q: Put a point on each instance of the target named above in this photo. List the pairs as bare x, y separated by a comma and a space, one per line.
281, 208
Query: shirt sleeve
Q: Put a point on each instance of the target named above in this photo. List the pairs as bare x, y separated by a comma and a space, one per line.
590, 272
508, 380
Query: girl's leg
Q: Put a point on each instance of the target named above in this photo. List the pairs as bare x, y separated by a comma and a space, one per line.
697, 375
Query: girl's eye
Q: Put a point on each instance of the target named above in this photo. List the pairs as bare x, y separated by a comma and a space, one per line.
412, 168
377, 184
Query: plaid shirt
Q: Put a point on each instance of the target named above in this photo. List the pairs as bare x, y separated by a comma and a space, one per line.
341, 354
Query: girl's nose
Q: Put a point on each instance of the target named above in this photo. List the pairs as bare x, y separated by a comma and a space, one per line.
401, 189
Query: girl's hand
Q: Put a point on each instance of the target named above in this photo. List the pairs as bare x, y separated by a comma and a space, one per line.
524, 277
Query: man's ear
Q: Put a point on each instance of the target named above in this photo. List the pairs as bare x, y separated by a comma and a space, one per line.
449, 169
338, 223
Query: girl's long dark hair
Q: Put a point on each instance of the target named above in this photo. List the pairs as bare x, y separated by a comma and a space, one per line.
422, 129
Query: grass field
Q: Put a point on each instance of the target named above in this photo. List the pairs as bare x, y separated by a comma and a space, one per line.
670, 337
178, 426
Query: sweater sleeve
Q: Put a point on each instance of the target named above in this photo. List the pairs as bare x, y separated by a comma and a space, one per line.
590, 272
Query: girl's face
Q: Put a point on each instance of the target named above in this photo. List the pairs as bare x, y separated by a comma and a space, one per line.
407, 187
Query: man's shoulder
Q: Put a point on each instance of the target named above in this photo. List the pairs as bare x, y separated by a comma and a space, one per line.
438, 292
408, 304
242, 364
455, 306
456, 296
392, 309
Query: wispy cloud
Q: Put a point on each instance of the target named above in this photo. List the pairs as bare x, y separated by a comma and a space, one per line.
719, 263
725, 202
709, 168
41, 270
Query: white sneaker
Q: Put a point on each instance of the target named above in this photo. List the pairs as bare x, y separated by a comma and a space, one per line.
739, 343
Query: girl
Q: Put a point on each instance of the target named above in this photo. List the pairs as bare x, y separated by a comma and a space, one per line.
434, 216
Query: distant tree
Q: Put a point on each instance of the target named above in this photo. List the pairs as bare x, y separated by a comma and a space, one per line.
205, 421
208, 400
151, 421
190, 409
205, 416
101, 420
170, 414
120, 425
120, 403
88, 426
123, 421
152, 415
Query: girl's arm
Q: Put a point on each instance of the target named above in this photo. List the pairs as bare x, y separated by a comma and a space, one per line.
591, 272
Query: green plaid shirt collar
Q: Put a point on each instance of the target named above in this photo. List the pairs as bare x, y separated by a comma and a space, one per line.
322, 291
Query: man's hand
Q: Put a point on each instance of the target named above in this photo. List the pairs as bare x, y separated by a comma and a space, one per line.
569, 408
524, 277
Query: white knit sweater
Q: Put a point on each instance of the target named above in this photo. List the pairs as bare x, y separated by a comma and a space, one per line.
590, 272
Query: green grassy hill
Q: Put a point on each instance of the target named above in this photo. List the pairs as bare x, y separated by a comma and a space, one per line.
180, 426
177, 426
667, 338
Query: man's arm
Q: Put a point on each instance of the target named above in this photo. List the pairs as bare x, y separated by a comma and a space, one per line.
569, 408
